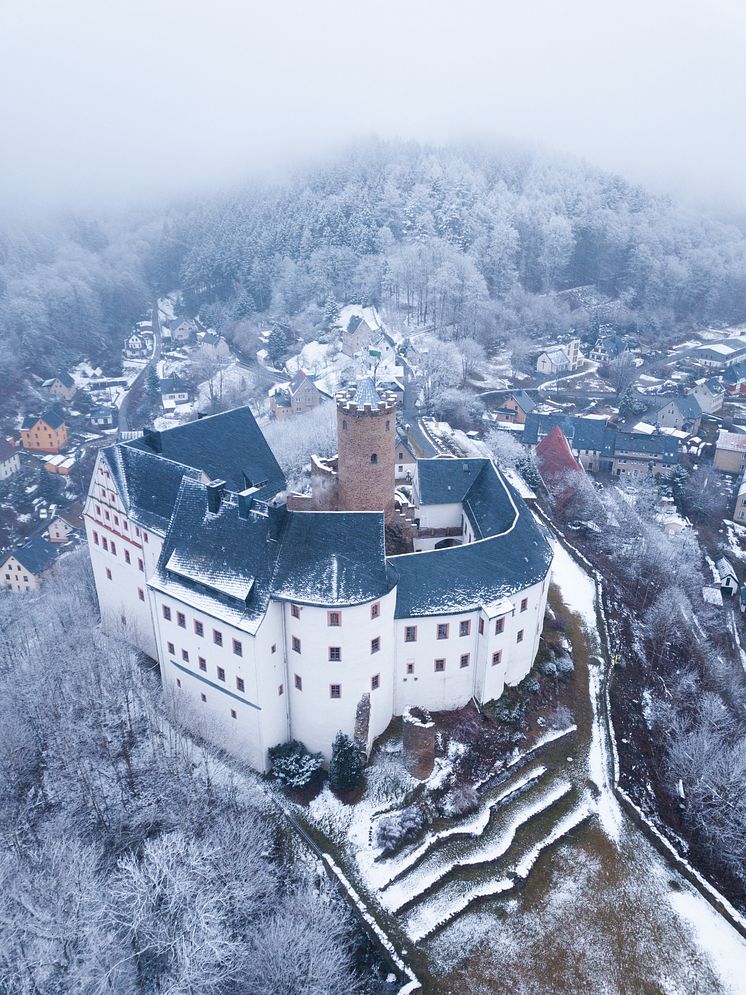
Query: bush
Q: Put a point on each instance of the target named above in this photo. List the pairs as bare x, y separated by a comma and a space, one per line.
346, 768
293, 765
393, 830
460, 800
564, 664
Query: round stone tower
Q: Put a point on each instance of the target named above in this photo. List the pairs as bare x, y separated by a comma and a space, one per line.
366, 435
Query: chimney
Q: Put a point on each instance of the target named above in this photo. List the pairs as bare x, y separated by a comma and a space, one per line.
277, 513
214, 494
152, 438
245, 501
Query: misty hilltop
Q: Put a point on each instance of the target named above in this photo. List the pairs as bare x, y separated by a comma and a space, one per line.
471, 242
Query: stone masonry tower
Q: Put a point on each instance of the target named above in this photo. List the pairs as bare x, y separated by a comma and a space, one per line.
366, 433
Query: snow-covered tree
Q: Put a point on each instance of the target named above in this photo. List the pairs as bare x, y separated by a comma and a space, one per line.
346, 767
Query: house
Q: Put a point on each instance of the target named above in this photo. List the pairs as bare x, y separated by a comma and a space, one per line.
24, 568
405, 460
608, 347
46, 433
174, 391
515, 409
183, 330
721, 355
709, 394
557, 465
730, 452
59, 464
104, 416
214, 346
727, 575
10, 460
679, 412
62, 387
395, 387
636, 455
560, 358
734, 379
356, 335
68, 524
295, 398
136, 345
739, 512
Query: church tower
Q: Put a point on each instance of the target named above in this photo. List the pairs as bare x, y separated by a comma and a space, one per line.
366, 434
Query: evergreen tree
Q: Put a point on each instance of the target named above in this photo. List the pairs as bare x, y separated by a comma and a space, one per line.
277, 345
331, 312
346, 767
244, 306
152, 383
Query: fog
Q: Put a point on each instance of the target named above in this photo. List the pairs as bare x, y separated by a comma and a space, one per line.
107, 102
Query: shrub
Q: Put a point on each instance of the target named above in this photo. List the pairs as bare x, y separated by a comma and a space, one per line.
393, 830
460, 800
564, 664
293, 765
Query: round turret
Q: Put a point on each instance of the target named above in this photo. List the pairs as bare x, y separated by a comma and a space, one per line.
366, 434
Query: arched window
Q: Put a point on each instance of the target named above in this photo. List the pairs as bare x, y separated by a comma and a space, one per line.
388, 425
344, 424
373, 458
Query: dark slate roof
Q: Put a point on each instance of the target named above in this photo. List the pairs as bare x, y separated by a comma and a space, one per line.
65, 379
688, 406
173, 385
222, 562
211, 338
735, 374
332, 558
523, 401
463, 578
7, 451
366, 393
446, 481
228, 446
148, 484
52, 418
593, 434
539, 425
401, 445
665, 446
353, 323
37, 554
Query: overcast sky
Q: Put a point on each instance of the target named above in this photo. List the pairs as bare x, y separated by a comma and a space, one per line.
107, 99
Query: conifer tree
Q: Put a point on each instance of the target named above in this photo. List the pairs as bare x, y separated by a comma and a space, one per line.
346, 767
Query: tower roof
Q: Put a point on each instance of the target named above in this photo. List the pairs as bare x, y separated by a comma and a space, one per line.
366, 393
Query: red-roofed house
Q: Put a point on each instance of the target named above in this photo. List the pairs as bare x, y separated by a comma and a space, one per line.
557, 465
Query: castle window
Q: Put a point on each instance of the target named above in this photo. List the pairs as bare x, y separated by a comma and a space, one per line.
141, 566
519, 637
239, 684
375, 644
335, 690
464, 660
237, 648
464, 627
496, 657
171, 648
127, 557
126, 526
295, 611
178, 683
217, 637
440, 666
185, 656
499, 626
202, 663
375, 682
410, 668
105, 543
181, 620
442, 630
374, 457
141, 594
108, 574
344, 424
280, 689
199, 629
410, 634
335, 653
221, 674
375, 609
203, 697
95, 537
274, 647
166, 613
296, 644
524, 604
388, 425
481, 626
333, 618
233, 713
298, 682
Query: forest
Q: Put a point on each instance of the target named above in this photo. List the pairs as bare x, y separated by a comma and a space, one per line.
471, 243
135, 859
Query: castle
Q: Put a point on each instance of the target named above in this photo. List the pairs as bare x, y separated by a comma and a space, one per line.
272, 622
